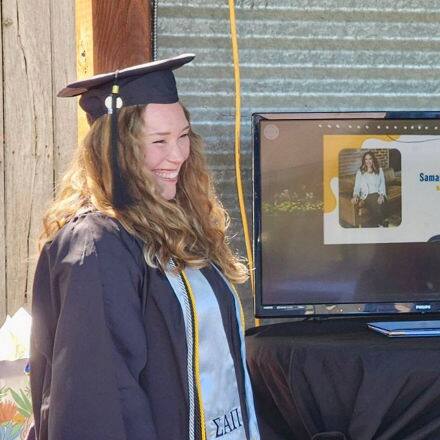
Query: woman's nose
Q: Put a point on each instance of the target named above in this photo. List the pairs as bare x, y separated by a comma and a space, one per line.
176, 154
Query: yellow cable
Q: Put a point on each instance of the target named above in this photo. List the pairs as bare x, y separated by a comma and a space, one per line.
241, 203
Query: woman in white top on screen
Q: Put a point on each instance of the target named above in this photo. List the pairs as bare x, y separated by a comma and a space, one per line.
369, 188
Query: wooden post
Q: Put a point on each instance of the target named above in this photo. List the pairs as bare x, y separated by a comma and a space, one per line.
36, 132
28, 138
121, 34
65, 126
110, 35
2, 197
84, 53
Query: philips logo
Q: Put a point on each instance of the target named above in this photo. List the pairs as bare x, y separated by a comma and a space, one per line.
423, 307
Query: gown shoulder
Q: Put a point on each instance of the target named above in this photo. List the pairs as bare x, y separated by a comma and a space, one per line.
88, 344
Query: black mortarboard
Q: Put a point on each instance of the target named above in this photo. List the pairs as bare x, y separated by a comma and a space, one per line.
143, 84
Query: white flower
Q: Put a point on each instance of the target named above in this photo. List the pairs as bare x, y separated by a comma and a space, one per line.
14, 336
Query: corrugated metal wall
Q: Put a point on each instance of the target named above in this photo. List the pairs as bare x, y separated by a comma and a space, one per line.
301, 55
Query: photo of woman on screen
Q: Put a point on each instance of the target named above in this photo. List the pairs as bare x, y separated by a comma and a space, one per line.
370, 189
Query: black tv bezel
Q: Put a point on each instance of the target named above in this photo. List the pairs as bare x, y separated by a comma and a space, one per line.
418, 310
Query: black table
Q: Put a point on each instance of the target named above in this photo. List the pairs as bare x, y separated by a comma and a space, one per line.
338, 377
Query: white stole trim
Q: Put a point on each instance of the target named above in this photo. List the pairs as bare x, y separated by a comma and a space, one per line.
220, 396
253, 424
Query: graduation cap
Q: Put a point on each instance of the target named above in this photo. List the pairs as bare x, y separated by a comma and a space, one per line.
142, 84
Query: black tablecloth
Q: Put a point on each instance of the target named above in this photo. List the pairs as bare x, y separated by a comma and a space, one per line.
312, 378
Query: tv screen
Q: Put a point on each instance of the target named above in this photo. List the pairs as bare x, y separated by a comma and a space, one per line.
346, 213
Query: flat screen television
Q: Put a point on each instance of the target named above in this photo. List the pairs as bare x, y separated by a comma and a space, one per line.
346, 213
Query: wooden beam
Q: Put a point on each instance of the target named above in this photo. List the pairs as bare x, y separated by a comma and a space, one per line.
121, 34
84, 53
65, 123
28, 130
110, 35
3, 296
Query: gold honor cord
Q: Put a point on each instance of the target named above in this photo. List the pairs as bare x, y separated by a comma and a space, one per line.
196, 353
243, 324
234, 42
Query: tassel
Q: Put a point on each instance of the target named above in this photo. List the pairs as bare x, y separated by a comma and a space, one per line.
120, 198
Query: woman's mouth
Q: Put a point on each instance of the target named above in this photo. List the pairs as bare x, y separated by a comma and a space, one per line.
167, 175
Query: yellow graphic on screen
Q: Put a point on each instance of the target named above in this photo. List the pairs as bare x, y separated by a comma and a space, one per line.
333, 145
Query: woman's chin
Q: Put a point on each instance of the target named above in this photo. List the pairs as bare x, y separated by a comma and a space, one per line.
168, 190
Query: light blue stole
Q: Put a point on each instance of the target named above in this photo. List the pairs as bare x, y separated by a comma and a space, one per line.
218, 384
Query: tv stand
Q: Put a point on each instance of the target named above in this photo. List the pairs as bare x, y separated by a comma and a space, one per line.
340, 377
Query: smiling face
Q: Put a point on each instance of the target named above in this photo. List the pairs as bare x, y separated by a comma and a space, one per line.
368, 162
166, 144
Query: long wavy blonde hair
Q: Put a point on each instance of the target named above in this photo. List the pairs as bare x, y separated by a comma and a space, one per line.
191, 229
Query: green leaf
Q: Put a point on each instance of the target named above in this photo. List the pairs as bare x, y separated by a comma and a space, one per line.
3, 392
27, 404
16, 397
24, 405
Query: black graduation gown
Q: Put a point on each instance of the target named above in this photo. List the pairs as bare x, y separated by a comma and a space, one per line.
108, 347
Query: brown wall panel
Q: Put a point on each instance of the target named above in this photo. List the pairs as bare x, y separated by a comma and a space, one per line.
121, 34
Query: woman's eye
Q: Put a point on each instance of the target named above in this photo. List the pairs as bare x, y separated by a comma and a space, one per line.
160, 141
184, 135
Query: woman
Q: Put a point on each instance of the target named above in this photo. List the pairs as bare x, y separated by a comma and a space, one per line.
369, 188
136, 327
